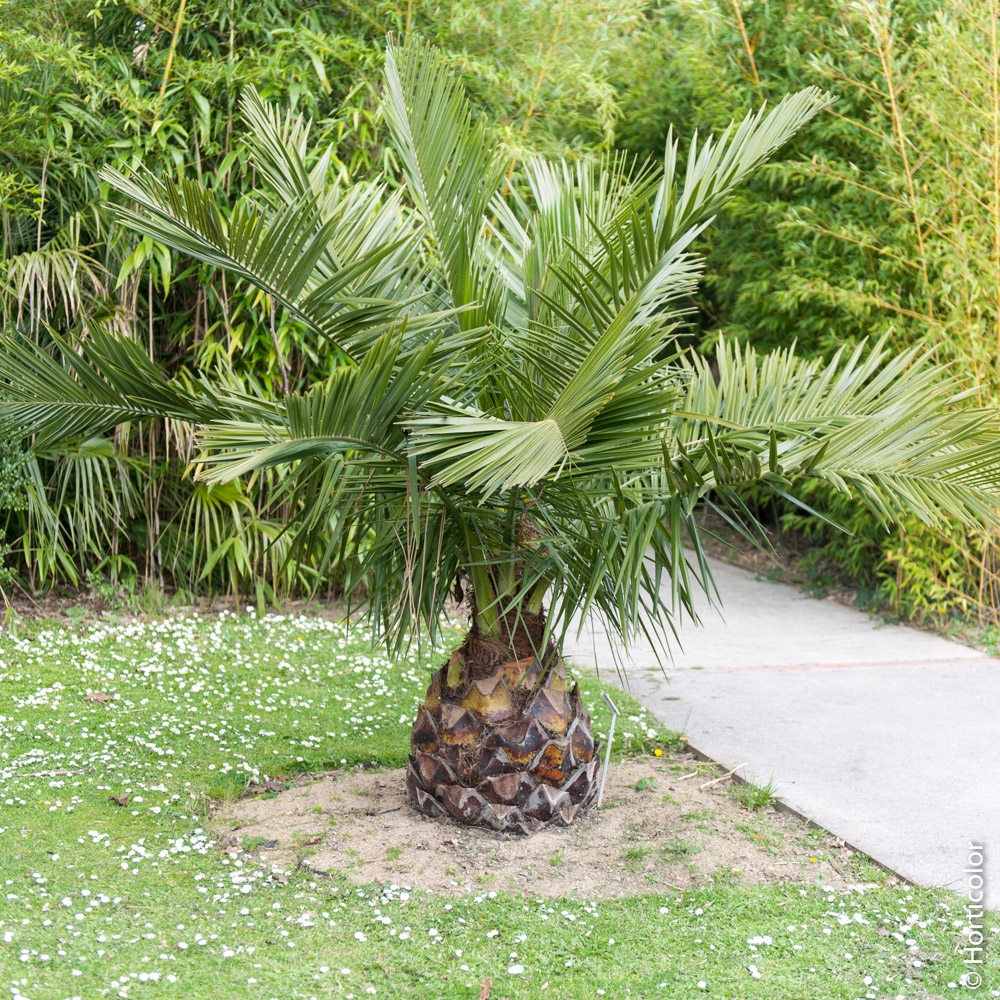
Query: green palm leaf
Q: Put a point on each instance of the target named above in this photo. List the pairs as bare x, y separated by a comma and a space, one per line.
98, 383
889, 430
452, 169
716, 169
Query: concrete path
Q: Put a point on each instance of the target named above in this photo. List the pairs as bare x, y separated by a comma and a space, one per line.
884, 735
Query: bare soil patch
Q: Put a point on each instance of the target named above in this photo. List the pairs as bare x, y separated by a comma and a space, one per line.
665, 823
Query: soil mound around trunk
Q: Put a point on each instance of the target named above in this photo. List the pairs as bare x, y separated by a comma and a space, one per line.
665, 823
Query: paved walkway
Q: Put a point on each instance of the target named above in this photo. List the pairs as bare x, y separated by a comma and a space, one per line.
884, 735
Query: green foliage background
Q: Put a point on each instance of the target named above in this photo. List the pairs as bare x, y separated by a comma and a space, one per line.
883, 217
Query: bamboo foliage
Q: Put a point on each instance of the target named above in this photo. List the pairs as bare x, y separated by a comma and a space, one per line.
933, 108
936, 111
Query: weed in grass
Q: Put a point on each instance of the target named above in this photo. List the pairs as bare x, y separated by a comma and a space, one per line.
77, 614
699, 817
679, 848
754, 797
761, 834
990, 639
726, 876
868, 872
635, 857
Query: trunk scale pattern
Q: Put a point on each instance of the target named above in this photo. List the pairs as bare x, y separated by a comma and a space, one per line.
512, 749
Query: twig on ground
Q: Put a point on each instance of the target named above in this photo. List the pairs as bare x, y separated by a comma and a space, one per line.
715, 781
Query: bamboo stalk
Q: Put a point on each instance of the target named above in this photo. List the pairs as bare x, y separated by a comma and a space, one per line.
41, 202
880, 303
854, 123
173, 47
995, 207
881, 30
542, 74
359, 10
747, 46
990, 543
881, 251
824, 170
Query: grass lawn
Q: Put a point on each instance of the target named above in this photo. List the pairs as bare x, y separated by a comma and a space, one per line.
112, 896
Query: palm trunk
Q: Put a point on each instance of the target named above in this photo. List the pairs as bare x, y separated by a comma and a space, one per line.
501, 741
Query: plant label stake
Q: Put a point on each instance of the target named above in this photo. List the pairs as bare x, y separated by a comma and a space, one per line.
611, 739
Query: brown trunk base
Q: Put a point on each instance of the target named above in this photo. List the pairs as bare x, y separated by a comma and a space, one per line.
512, 751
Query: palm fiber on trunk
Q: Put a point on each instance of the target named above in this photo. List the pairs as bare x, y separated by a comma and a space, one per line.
509, 746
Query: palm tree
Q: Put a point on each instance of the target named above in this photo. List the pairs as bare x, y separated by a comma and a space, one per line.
513, 423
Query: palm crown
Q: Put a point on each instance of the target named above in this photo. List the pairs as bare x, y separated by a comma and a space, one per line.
512, 413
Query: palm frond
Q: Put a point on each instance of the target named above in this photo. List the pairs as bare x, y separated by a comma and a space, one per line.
452, 167
369, 263
887, 429
359, 409
93, 385
91, 490
721, 164
279, 149
276, 251
563, 207
53, 283
485, 452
